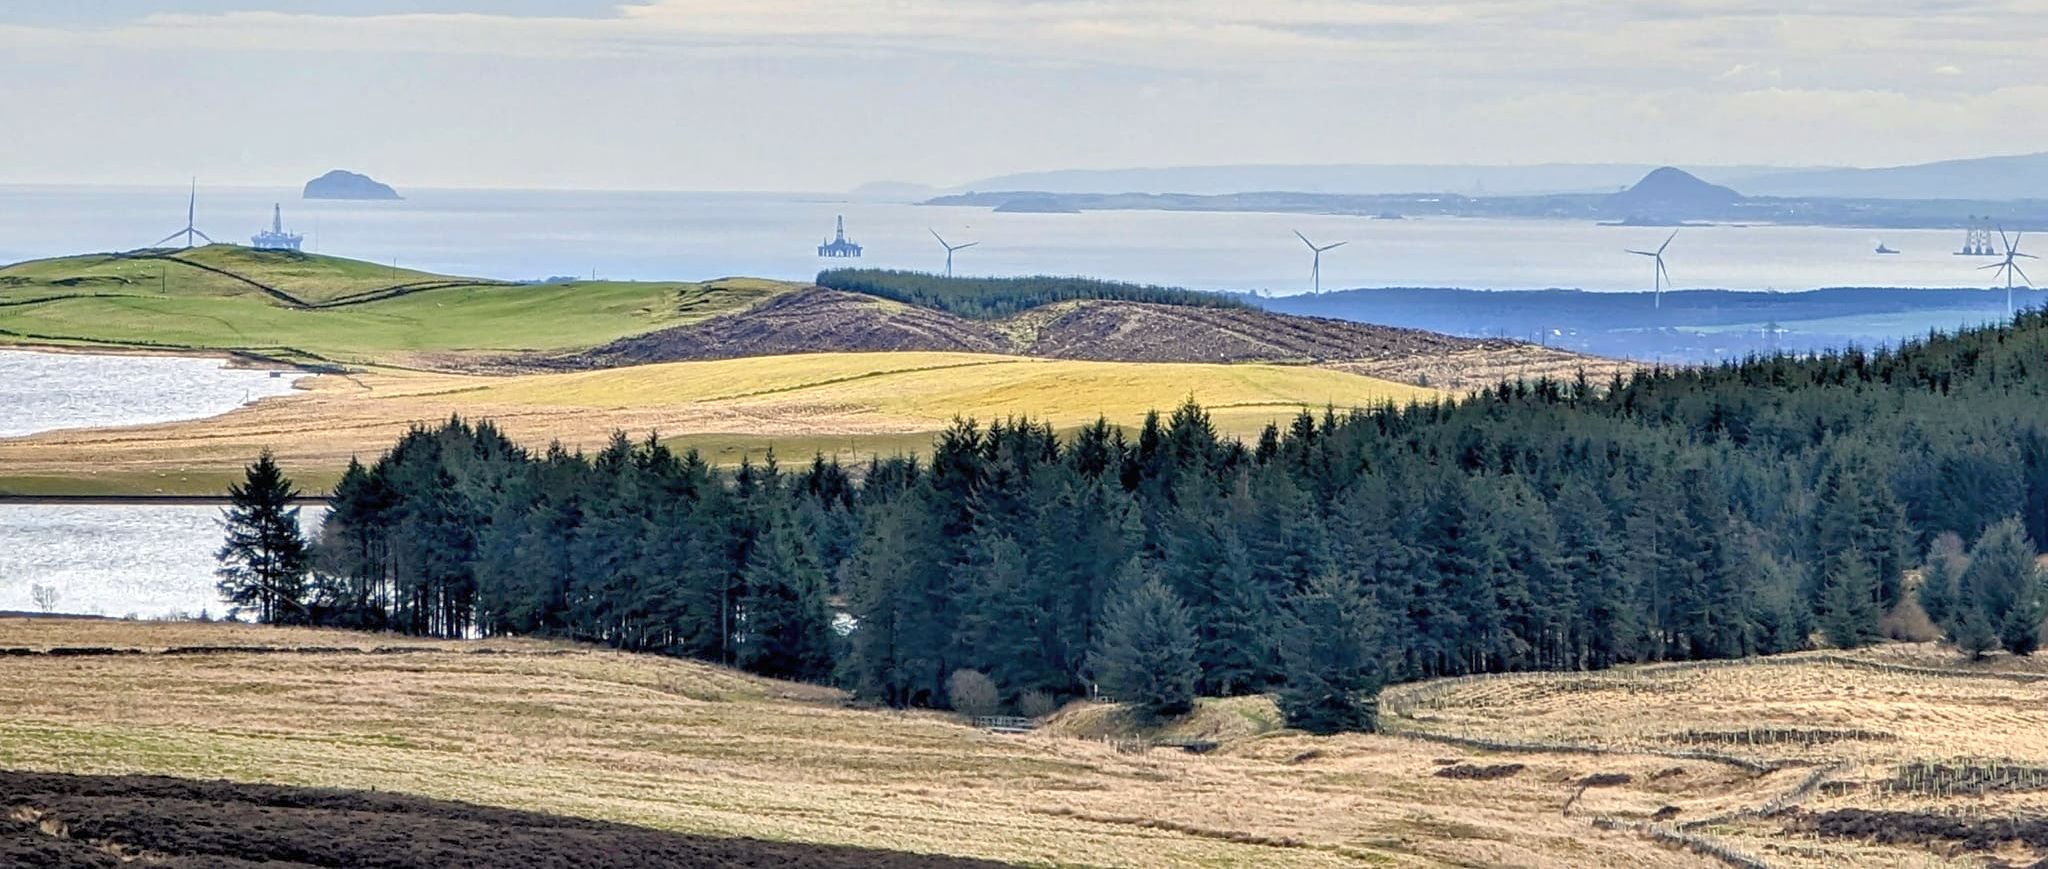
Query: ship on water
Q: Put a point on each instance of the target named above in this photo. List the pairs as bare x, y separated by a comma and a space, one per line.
1883, 248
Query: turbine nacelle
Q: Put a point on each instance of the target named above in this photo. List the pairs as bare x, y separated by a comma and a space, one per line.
950, 248
2009, 267
1316, 270
1660, 276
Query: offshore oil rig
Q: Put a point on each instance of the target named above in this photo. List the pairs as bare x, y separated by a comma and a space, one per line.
839, 247
275, 238
1977, 239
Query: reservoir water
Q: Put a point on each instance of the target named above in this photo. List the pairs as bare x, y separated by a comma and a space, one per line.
115, 560
46, 391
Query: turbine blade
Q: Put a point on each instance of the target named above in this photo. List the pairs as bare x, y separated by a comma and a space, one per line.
1991, 266
941, 238
1667, 241
2024, 255
160, 242
1304, 240
1641, 252
2023, 275
209, 239
2001, 235
967, 245
1332, 246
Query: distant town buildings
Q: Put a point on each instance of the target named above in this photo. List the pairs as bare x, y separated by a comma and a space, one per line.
275, 238
839, 246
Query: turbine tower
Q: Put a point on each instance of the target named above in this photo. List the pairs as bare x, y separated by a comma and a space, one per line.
191, 211
1316, 271
950, 248
1660, 276
2010, 266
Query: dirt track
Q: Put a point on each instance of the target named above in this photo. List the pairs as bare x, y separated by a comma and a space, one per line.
55, 820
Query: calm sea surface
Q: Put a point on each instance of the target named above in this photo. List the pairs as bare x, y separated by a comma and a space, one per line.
651, 236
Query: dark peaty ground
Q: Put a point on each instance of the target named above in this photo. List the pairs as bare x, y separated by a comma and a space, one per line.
54, 820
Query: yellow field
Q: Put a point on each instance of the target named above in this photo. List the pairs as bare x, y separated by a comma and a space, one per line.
847, 404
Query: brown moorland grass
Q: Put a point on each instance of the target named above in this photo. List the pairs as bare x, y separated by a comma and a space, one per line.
1607, 768
684, 746
1910, 729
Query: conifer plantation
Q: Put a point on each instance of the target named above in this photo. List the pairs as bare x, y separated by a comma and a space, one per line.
1682, 514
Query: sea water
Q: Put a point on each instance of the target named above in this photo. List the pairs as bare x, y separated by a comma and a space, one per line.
519, 235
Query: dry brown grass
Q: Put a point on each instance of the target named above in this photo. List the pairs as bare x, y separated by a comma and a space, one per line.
1896, 726
685, 746
1468, 370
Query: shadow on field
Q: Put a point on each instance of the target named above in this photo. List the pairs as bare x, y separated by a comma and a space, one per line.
57, 820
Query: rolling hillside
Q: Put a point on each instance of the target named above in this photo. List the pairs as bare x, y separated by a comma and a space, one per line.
317, 309
822, 320
1889, 756
314, 309
730, 367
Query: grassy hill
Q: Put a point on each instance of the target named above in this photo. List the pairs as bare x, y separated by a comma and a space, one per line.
849, 405
1773, 759
314, 308
317, 308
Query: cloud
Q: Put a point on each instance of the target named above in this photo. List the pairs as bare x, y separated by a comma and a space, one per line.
1025, 84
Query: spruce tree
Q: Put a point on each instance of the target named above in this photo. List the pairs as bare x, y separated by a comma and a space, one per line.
1937, 595
1850, 594
2004, 586
1146, 655
1332, 658
785, 625
263, 564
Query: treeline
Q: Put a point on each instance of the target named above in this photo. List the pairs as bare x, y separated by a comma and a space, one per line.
992, 298
1681, 514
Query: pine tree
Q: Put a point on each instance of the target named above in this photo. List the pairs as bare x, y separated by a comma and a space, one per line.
1146, 656
263, 564
1332, 658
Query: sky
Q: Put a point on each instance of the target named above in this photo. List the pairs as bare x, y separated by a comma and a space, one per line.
824, 96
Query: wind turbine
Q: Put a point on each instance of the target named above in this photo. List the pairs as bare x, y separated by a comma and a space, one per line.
1316, 271
2010, 265
191, 211
950, 248
1661, 276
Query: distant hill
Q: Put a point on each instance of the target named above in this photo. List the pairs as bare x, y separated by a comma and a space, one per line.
342, 184
1348, 179
823, 320
1670, 194
2022, 176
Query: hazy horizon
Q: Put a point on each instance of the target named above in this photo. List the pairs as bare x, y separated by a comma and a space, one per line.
783, 95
